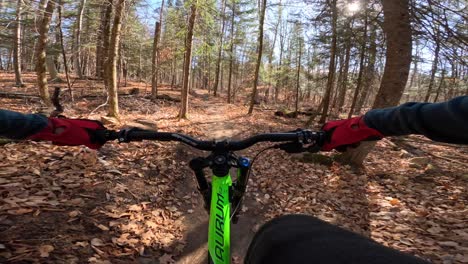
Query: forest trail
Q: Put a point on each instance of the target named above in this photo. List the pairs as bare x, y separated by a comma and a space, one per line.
217, 126
138, 202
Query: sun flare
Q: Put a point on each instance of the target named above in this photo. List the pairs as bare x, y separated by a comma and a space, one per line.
353, 7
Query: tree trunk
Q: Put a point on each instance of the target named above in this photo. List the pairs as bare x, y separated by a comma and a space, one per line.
64, 55
361, 65
441, 83
41, 71
114, 45
298, 85
231, 51
280, 64
259, 56
368, 73
154, 61
344, 80
99, 51
415, 68
435, 62
188, 58
50, 65
331, 68
155, 55
270, 56
77, 42
220, 51
103, 42
17, 46
397, 29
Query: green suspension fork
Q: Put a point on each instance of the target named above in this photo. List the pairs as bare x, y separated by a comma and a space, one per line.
219, 236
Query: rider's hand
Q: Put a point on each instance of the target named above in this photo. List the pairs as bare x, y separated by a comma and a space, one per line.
72, 132
348, 132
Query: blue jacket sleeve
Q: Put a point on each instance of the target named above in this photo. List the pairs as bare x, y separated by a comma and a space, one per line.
15, 125
445, 122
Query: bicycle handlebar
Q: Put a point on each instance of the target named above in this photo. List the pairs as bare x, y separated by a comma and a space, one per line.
298, 136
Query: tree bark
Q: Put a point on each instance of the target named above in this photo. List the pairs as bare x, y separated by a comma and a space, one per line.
231, 51
368, 73
41, 71
17, 45
331, 68
441, 84
102, 58
64, 55
435, 63
155, 55
220, 52
259, 56
298, 85
344, 80
361, 65
188, 59
270, 56
77, 42
397, 29
154, 61
113, 110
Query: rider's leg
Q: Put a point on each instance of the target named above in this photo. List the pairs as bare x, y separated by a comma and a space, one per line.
305, 239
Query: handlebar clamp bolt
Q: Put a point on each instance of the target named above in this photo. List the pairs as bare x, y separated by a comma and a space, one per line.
220, 160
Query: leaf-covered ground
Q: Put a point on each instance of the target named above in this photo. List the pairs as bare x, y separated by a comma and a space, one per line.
138, 203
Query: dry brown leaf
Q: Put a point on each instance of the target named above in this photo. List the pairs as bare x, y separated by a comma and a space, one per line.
448, 243
102, 227
394, 202
74, 213
82, 243
45, 250
166, 259
135, 208
20, 211
97, 242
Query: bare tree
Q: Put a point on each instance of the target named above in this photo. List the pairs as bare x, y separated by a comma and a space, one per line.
187, 61
220, 51
46, 16
435, 63
113, 110
77, 49
64, 55
331, 67
231, 51
17, 45
259, 55
155, 55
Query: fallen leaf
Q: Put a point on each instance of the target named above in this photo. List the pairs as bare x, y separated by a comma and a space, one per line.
44, 250
82, 243
97, 242
435, 230
166, 259
20, 211
135, 208
102, 227
394, 202
74, 213
448, 243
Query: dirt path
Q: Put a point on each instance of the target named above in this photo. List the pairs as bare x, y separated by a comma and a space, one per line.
217, 126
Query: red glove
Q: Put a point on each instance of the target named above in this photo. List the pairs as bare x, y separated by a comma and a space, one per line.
72, 132
342, 133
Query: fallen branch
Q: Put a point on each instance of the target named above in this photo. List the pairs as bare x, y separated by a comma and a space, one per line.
17, 95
